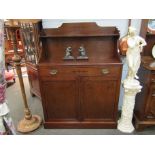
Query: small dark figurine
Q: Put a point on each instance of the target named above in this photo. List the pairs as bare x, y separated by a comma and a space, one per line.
82, 53
68, 55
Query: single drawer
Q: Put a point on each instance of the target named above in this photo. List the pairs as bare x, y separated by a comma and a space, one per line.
110, 71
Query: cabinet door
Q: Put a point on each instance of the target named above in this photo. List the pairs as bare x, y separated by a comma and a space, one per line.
99, 98
60, 98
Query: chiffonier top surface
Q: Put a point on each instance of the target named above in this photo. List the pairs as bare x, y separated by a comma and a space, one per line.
99, 42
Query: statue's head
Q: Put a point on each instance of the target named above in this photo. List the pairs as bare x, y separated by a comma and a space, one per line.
81, 48
69, 49
132, 31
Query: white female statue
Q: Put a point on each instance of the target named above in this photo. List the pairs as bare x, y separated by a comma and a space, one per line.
135, 45
131, 84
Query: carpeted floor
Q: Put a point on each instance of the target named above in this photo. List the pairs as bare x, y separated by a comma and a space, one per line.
15, 104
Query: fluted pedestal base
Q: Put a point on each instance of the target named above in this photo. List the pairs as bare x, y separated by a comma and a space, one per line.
28, 125
125, 126
131, 87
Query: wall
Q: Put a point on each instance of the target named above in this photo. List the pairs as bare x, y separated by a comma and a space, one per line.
121, 24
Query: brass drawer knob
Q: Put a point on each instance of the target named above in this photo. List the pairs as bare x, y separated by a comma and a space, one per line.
53, 72
153, 80
105, 71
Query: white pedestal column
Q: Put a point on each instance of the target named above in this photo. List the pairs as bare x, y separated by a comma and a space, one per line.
131, 88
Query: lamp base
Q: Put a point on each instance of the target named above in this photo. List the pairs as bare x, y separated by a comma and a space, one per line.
28, 125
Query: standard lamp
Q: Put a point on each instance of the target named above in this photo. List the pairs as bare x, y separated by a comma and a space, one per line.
29, 122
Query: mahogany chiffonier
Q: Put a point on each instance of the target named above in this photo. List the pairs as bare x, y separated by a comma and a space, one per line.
80, 74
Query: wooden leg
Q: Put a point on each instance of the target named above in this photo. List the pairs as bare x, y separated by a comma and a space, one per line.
139, 127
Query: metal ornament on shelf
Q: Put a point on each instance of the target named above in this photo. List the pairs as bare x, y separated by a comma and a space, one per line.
68, 54
29, 122
82, 53
131, 84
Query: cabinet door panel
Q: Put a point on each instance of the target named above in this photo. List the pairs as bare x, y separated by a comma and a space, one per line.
60, 99
98, 98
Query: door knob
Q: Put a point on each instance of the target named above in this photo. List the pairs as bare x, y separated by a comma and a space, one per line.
153, 95
53, 72
153, 80
105, 71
